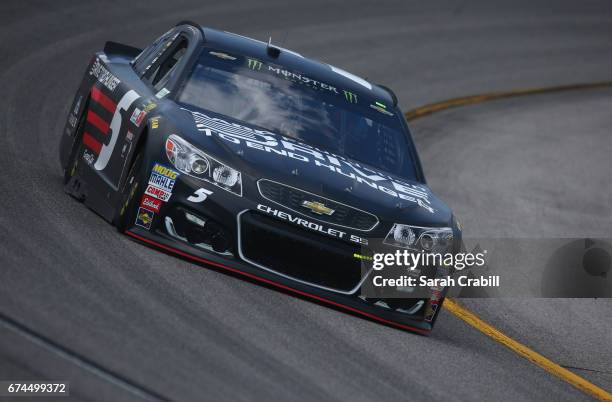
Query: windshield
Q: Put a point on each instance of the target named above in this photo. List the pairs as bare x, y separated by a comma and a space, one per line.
305, 109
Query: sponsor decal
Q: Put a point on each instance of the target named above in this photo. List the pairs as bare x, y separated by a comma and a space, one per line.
223, 56
350, 97
155, 122
137, 117
127, 147
163, 177
161, 181
316, 227
72, 120
381, 107
199, 195
88, 157
162, 92
165, 171
434, 302
363, 257
149, 106
430, 311
105, 151
296, 77
254, 64
158, 193
77, 105
281, 147
103, 75
144, 218
125, 150
150, 203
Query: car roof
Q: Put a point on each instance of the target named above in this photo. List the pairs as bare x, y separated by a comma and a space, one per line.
295, 62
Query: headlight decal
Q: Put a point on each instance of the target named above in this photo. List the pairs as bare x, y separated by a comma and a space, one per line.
420, 238
194, 162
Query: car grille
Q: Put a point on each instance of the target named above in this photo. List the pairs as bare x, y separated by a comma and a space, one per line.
292, 198
298, 253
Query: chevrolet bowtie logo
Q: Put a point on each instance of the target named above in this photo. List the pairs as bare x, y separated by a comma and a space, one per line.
317, 207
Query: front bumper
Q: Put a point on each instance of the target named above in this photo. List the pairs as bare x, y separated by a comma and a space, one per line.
352, 304
236, 217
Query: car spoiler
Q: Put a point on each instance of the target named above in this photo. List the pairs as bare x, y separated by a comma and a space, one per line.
120, 49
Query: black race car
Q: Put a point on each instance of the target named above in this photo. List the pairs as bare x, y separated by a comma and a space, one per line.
242, 155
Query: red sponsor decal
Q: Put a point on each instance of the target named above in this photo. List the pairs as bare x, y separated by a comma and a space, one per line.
150, 203
158, 193
137, 117
140, 118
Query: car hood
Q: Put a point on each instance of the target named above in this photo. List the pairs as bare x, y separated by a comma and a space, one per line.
261, 154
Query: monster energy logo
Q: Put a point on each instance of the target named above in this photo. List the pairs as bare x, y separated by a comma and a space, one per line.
255, 64
350, 97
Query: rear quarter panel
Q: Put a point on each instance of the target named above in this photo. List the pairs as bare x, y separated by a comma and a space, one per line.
115, 104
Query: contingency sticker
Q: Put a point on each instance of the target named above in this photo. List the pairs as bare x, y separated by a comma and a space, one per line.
163, 177
162, 92
161, 182
158, 193
151, 203
137, 117
144, 218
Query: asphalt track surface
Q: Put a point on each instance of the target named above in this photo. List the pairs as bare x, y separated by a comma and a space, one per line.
80, 302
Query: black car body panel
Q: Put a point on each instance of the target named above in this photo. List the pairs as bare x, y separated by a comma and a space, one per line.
120, 113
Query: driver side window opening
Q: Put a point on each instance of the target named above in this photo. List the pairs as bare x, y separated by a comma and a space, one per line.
166, 68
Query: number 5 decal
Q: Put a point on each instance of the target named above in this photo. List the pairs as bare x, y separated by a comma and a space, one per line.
115, 126
199, 195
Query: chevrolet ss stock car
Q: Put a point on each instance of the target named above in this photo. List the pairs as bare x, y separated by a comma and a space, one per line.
249, 157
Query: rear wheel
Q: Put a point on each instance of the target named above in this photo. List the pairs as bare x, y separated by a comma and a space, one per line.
72, 184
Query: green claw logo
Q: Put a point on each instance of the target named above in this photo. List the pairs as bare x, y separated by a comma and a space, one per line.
350, 97
255, 64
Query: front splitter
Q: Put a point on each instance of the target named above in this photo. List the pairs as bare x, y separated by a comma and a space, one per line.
345, 302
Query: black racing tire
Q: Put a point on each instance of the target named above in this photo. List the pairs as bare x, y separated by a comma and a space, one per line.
77, 147
134, 185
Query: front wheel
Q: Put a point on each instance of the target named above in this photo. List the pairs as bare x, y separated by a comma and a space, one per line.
125, 210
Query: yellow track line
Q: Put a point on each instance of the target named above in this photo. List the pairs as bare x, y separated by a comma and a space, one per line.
466, 315
472, 99
564, 374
